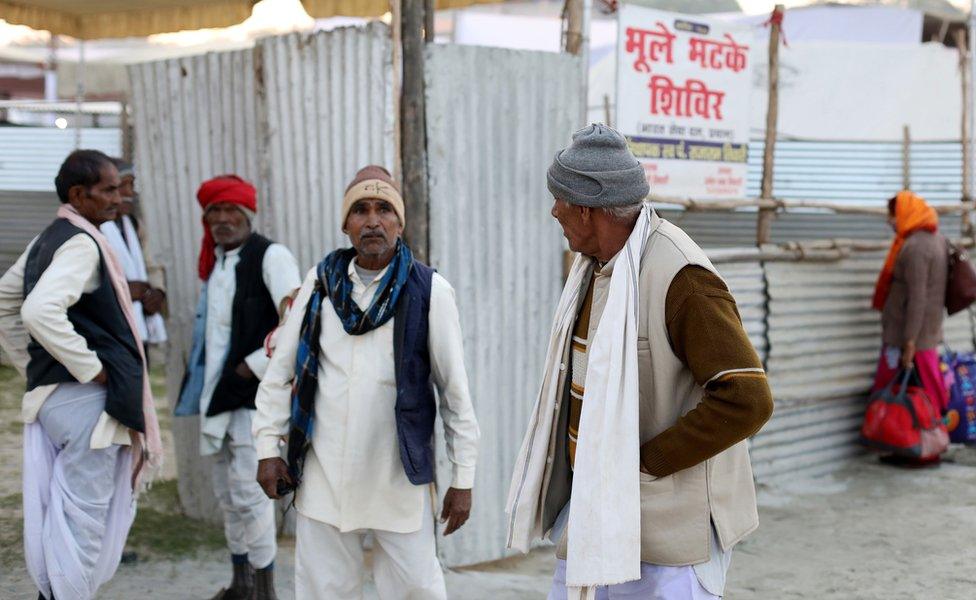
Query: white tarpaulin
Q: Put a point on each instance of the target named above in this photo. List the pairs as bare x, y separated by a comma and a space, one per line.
683, 89
863, 92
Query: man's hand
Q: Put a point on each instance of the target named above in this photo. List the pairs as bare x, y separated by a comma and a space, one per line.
138, 289
101, 378
243, 371
270, 472
152, 301
457, 509
908, 354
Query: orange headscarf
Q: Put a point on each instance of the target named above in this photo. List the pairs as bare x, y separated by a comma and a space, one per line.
912, 214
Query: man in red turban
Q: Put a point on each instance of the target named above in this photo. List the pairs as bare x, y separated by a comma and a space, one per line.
246, 277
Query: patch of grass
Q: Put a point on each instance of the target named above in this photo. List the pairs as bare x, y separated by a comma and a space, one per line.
162, 531
11, 541
157, 381
10, 502
8, 374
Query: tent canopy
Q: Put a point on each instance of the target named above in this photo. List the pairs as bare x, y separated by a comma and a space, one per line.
97, 19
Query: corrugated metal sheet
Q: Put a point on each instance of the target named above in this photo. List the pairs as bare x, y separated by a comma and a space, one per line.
329, 112
23, 215
195, 117
31, 156
493, 125
858, 172
746, 281
824, 342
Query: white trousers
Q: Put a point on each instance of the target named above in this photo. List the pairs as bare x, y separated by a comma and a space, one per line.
656, 583
249, 515
78, 505
329, 565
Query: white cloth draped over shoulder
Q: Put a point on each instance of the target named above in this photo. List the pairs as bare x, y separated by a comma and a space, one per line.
127, 248
604, 521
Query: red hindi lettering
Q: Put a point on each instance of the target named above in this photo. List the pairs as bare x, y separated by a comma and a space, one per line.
650, 45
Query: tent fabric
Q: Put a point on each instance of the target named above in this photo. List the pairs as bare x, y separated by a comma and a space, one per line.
321, 9
123, 18
98, 19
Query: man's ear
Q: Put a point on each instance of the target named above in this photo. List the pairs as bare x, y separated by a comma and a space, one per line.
76, 193
585, 213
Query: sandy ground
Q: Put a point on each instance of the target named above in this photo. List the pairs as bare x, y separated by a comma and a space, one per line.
866, 532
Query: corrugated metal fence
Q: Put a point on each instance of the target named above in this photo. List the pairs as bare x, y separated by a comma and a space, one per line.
493, 125
30, 156
329, 113
858, 172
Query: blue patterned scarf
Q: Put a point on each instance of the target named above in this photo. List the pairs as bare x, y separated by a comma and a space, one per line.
333, 281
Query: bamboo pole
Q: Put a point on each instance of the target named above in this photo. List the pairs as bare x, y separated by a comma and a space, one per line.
906, 158
396, 29
964, 74
573, 34
576, 17
764, 223
413, 132
813, 251
693, 205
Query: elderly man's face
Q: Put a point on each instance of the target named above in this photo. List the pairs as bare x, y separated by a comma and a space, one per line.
127, 191
100, 202
373, 228
577, 227
228, 224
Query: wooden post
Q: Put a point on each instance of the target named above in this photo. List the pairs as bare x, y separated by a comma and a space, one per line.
126, 128
764, 223
576, 17
964, 74
906, 158
573, 36
413, 129
429, 21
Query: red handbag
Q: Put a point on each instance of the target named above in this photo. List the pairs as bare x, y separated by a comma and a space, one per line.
900, 419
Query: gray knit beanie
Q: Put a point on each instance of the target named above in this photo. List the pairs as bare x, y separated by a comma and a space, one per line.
597, 170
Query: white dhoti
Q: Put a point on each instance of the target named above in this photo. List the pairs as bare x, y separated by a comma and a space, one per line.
78, 504
330, 564
656, 583
249, 515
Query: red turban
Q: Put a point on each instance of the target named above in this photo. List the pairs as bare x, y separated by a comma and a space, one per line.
223, 189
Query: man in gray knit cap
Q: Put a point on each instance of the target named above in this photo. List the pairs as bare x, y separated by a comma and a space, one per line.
636, 461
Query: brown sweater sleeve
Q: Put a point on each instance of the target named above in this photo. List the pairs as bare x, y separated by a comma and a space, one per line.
707, 335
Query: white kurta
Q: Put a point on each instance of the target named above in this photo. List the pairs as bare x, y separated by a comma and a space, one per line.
74, 270
353, 476
279, 270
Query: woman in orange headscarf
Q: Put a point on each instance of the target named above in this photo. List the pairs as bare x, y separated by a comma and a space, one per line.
910, 294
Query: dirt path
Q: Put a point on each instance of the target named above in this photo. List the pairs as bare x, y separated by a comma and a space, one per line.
868, 532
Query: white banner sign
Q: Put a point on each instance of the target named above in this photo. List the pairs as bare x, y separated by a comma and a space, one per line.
683, 92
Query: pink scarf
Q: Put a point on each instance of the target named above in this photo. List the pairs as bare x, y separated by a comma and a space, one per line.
146, 447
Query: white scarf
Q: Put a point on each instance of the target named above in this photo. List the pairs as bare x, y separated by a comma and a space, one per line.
604, 519
129, 252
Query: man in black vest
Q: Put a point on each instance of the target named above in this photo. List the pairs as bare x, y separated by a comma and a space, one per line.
67, 322
245, 279
374, 331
